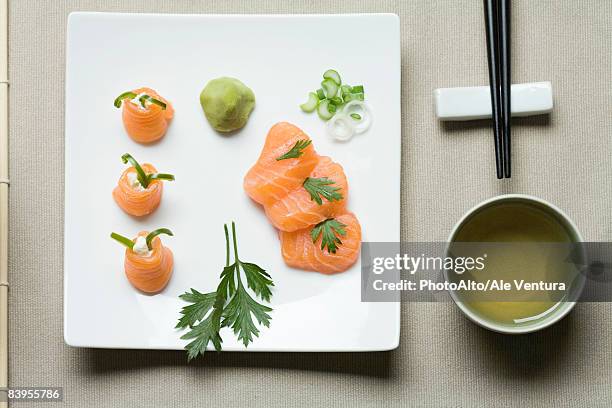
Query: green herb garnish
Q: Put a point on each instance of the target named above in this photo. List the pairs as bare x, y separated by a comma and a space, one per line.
354, 97
147, 98
201, 303
149, 238
322, 187
143, 99
333, 75
125, 95
355, 116
329, 229
311, 104
332, 96
122, 240
296, 151
336, 101
230, 305
155, 233
160, 176
143, 178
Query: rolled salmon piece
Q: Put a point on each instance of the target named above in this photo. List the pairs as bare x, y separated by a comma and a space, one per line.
299, 250
150, 123
132, 197
150, 270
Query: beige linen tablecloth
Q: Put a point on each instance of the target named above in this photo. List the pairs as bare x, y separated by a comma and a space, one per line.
443, 360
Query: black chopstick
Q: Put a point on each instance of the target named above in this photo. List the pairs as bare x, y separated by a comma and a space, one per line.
506, 82
491, 20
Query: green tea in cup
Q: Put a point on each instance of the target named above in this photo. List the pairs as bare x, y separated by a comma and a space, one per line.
524, 242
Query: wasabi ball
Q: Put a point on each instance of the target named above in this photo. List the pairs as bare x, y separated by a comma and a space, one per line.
227, 103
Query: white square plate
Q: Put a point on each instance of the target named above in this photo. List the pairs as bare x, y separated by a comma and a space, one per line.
281, 58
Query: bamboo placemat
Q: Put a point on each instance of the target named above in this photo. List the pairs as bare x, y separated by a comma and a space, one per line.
443, 360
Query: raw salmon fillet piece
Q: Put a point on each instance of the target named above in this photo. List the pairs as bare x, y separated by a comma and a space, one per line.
270, 180
300, 252
297, 210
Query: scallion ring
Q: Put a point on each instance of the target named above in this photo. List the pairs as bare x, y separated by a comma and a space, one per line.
330, 88
333, 75
345, 90
360, 109
357, 89
341, 127
311, 104
324, 110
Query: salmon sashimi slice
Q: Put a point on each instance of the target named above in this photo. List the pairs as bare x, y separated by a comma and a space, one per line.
146, 125
132, 197
149, 273
298, 210
270, 180
299, 251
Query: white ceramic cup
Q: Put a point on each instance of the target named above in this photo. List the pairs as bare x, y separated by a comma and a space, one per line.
563, 308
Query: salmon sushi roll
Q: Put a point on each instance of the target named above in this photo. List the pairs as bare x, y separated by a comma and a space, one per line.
146, 114
139, 189
148, 263
330, 247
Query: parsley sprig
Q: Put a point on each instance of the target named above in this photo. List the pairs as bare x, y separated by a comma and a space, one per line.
230, 305
296, 151
143, 178
322, 187
329, 230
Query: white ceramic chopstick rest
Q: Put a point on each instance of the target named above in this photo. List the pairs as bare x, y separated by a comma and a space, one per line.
469, 103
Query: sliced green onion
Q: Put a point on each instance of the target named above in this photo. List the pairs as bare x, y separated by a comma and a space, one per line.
142, 176
122, 240
333, 97
323, 110
341, 127
357, 89
311, 104
155, 233
336, 100
330, 88
358, 108
148, 98
160, 176
345, 89
125, 95
354, 97
333, 75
